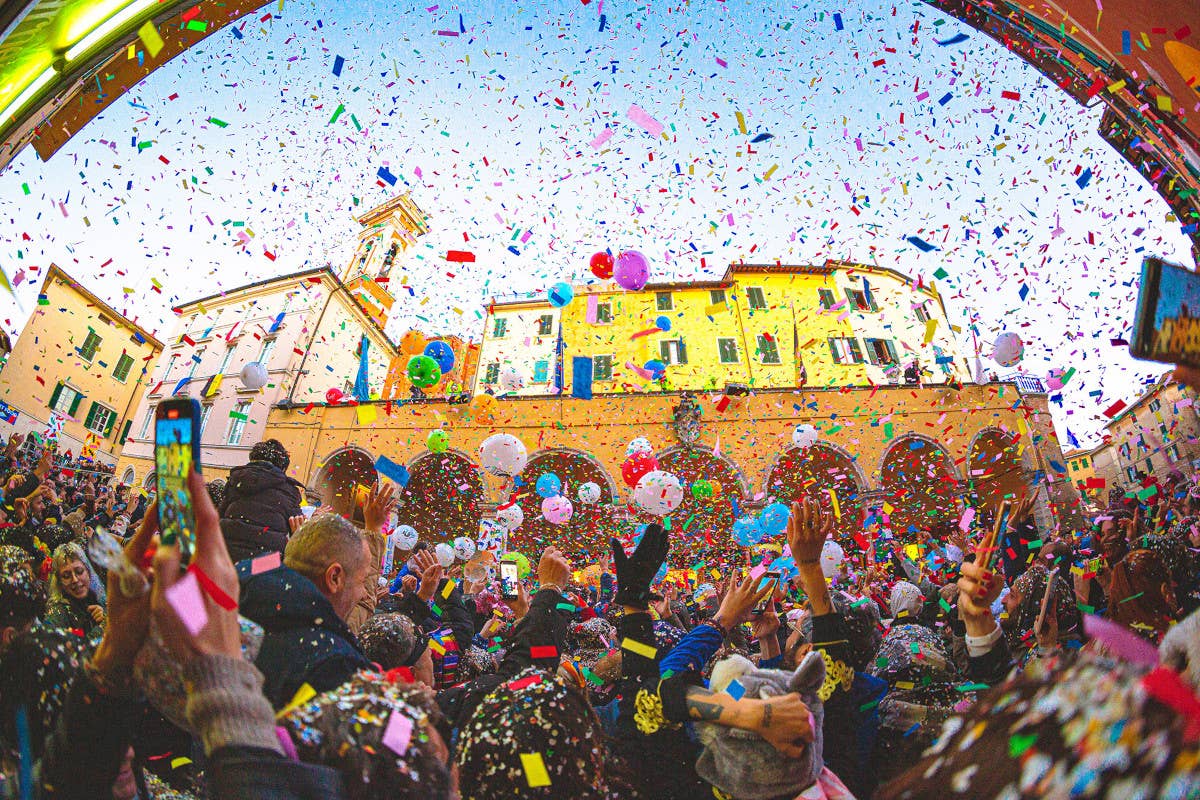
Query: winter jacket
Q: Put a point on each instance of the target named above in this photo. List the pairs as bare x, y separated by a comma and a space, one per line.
305, 641
259, 500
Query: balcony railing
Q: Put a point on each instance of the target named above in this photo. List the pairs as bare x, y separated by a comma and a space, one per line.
1027, 384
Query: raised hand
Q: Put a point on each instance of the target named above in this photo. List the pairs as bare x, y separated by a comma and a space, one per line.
635, 572
295, 522
380, 503
807, 529
554, 569
740, 597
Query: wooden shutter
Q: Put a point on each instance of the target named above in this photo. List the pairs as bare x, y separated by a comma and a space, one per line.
112, 421
125, 430
682, 352
75, 404
58, 387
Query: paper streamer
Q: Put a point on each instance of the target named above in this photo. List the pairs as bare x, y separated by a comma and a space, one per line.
647, 122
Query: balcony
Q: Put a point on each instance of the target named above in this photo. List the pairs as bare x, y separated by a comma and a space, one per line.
1026, 384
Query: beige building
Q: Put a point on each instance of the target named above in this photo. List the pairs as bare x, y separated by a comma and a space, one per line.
76, 371
1157, 434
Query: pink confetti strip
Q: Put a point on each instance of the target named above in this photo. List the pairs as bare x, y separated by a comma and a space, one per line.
647, 122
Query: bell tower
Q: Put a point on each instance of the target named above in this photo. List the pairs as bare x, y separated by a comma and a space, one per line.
388, 230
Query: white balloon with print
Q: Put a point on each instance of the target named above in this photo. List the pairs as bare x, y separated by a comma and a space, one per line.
254, 376
510, 517
589, 493
832, 556
804, 436
503, 454
658, 492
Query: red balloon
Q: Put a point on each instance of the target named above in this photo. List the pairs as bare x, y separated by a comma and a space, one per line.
602, 266
636, 466
334, 396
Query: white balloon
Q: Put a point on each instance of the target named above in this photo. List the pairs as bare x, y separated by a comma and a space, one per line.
405, 537
1008, 349
511, 517
475, 572
464, 548
804, 436
444, 553
511, 378
254, 376
639, 445
589, 493
503, 454
831, 558
658, 492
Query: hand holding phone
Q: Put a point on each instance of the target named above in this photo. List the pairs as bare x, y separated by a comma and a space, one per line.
774, 578
176, 453
509, 580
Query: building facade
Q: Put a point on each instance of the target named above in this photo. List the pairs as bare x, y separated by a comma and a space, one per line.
1157, 435
76, 371
760, 326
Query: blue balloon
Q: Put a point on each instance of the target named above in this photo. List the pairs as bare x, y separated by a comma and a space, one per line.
561, 294
656, 369
774, 519
663, 324
747, 532
442, 353
548, 485
786, 567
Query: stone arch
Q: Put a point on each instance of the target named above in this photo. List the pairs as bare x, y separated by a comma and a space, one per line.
919, 484
590, 526
700, 527
672, 453
128, 476
337, 479
798, 474
444, 496
996, 467
150, 484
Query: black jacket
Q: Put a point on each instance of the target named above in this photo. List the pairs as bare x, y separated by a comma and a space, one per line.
259, 499
305, 641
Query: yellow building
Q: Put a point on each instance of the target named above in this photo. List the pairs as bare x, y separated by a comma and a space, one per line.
760, 326
1157, 435
76, 371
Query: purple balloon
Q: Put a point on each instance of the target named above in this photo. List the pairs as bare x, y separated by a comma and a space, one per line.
632, 271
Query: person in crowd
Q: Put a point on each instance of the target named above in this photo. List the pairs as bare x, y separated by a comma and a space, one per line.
260, 497
77, 597
1142, 593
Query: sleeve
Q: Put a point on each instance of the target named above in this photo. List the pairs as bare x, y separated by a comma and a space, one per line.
451, 610
106, 723
844, 718
989, 658
540, 638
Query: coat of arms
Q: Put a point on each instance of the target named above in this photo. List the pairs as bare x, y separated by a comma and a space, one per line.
687, 419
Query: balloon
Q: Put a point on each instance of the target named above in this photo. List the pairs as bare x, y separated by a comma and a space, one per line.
639, 445
412, 343
503, 454
423, 371
1008, 349
804, 436
438, 441
590, 575
663, 323
510, 517
656, 368
442, 353
464, 548
746, 531
774, 519
716, 486
601, 265
475, 572
589, 493
334, 396
405, 537
444, 553
658, 493
557, 510
702, 489
548, 485
521, 561
832, 556
636, 466
482, 405
1054, 380
254, 376
785, 566
560, 294
511, 378
632, 270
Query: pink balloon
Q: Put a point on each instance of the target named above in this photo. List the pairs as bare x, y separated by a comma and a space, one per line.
557, 510
633, 270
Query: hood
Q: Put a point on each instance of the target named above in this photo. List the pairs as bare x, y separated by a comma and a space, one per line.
255, 476
282, 599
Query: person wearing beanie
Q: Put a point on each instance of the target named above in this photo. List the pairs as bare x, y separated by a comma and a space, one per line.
259, 499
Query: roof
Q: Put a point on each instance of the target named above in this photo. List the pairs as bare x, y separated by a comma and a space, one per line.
57, 271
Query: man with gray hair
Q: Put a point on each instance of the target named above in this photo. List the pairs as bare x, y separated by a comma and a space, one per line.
303, 603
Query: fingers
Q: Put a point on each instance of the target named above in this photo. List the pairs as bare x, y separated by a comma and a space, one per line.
166, 572
136, 548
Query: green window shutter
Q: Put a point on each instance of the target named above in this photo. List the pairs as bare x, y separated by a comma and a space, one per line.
125, 430
54, 395
75, 404
112, 420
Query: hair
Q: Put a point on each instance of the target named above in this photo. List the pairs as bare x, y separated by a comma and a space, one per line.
1136, 592
216, 492
63, 555
36, 672
271, 450
323, 540
391, 640
22, 595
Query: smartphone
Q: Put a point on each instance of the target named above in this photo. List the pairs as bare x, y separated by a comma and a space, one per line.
509, 580
768, 577
1168, 314
176, 451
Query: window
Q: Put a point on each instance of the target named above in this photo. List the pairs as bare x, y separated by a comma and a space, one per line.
1075, 466
197, 357
268, 347
845, 350
492, 373
673, 351
545, 324
1125, 451
727, 350
859, 301
124, 364
602, 368
827, 298
100, 419
388, 260
541, 371
604, 313
499, 327
91, 344
754, 296
237, 422
1163, 431
205, 411
1155, 404
716, 296
1173, 451
1131, 474
146, 422
881, 351
768, 350
65, 400
921, 312
663, 301
170, 366
225, 360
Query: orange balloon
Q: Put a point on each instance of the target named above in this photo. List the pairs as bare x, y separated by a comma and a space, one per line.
482, 405
716, 488
412, 343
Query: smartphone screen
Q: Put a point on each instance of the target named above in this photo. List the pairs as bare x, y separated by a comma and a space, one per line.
174, 456
509, 588
768, 601
1168, 314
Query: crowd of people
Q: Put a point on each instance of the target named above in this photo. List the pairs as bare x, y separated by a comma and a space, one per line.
294, 658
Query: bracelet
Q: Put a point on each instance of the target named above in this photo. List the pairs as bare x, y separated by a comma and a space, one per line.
719, 624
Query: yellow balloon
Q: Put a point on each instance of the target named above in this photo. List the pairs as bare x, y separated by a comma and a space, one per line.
482, 404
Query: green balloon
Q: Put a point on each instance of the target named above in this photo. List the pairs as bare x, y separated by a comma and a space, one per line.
424, 371
523, 570
702, 489
438, 441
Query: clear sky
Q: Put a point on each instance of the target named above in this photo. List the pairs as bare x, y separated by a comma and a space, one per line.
878, 133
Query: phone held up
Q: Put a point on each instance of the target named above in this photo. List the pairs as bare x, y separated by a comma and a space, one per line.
767, 602
176, 452
1167, 320
509, 580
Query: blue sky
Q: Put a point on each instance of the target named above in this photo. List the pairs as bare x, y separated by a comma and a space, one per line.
491, 131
